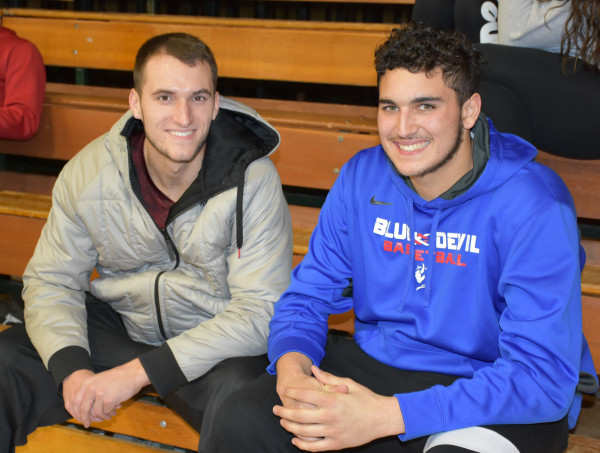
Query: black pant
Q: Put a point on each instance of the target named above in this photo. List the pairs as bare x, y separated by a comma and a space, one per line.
525, 92
29, 397
245, 421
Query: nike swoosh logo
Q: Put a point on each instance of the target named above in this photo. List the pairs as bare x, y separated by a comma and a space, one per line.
377, 202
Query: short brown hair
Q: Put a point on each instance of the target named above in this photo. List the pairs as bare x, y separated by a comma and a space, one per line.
185, 47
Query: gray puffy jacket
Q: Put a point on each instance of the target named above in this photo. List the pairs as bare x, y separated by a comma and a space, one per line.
202, 289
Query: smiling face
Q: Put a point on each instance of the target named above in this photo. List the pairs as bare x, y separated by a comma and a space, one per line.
423, 129
177, 104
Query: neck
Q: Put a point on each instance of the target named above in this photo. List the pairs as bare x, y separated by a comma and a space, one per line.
434, 184
170, 177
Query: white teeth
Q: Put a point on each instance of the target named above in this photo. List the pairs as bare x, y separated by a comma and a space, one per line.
181, 134
415, 147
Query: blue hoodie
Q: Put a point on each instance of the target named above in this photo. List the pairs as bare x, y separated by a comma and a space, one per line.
485, 286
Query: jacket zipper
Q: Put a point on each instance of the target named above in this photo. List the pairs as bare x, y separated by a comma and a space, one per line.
174, 254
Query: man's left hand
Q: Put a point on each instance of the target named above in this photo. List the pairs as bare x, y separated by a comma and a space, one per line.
108, 389
341, 419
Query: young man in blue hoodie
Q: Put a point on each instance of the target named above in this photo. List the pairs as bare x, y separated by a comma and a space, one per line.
461, 259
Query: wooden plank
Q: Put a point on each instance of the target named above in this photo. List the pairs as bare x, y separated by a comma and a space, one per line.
70, 120
17, 242
189, 20
25, 204
61, 439
582, 179
143, 419
583, 444
64, 130
313, 158
591, 321
590, 281
13, 181
304, 220
293, 51
592, 251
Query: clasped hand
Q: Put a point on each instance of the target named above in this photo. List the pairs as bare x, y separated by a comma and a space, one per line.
93, 397
331, 413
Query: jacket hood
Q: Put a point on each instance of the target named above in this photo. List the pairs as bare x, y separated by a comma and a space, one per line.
506, 154
237, 137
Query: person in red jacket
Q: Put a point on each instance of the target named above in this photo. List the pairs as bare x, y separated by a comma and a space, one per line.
22, 86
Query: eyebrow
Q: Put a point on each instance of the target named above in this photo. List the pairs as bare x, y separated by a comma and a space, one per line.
386, 101
423, 99
171, 92
414, 101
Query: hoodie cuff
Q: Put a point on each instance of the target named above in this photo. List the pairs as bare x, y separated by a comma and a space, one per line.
293, 344
422, 414
163, 370
66, 361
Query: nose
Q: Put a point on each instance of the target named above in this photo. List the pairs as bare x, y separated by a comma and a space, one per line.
406, 126
182, 114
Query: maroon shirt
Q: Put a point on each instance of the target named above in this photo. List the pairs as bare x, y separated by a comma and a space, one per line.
157, 203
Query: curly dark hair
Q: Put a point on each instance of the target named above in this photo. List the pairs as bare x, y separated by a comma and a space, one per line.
418, 47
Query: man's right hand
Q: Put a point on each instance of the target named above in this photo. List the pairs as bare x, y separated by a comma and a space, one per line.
91, 397
79, 402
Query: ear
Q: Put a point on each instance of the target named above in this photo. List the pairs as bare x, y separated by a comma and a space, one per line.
135, 104
216, 107
470, 111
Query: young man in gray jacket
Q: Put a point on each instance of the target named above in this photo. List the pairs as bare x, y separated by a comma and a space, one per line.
182, 215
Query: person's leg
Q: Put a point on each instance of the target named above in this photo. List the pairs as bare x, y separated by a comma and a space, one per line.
561, 109
245, 420
505, 109
346, 359
533, 438
28, 395
198, 400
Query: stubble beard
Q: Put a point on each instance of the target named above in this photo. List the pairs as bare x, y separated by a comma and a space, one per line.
445, 159
164, 152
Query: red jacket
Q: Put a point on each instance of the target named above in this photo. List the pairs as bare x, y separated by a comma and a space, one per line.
22, 86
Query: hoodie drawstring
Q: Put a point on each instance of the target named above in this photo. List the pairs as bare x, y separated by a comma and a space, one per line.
239, 213
411, 235
430, 256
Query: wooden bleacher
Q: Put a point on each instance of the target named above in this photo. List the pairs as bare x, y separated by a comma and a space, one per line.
317, 139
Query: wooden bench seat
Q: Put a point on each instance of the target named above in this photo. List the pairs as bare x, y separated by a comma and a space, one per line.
56, 438
317, 139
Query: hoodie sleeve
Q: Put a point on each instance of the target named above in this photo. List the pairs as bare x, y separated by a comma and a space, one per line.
317, 288
540, 343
